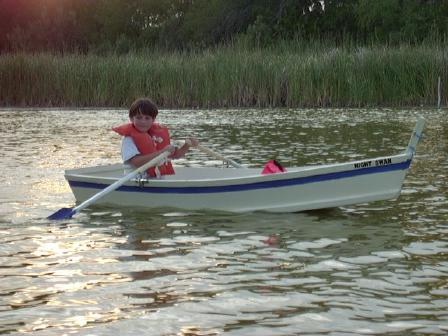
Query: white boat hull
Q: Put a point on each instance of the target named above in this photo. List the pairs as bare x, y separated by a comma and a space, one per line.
297, 190
241, 189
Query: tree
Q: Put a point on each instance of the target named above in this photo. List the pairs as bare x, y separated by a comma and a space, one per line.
123, 25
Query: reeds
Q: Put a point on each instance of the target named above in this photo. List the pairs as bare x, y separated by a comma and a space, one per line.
230, 77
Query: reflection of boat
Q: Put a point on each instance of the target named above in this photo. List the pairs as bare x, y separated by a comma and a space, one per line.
246, 189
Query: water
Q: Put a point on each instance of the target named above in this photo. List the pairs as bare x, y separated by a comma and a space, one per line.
378, 268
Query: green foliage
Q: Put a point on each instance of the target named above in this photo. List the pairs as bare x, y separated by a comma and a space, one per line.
395, 21
122, 26
291, 75
222, 53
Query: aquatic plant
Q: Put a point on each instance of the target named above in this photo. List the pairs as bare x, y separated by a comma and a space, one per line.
230, 76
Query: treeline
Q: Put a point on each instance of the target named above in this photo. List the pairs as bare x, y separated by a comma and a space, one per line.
120, 26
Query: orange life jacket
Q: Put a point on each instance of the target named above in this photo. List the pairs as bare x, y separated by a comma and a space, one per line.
155, 139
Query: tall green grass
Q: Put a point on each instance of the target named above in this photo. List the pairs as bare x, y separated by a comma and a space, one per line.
230, 77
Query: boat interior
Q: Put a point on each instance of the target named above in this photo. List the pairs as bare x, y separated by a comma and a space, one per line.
118, 170
182, 173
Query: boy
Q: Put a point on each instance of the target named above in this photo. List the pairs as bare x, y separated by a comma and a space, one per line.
144, 139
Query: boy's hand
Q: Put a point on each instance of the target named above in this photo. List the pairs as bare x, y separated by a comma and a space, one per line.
170, 149
192, 142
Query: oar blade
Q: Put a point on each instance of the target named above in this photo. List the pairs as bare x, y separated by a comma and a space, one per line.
63, 213
66, 213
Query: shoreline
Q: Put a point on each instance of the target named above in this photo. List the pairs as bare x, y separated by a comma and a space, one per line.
225, 78
162, 108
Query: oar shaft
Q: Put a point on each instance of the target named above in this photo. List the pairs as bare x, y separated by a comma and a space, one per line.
218, 156
121, 181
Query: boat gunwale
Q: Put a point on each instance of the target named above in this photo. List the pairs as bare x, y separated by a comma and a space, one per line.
402, 159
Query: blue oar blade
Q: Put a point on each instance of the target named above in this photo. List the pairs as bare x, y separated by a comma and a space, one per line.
63, 213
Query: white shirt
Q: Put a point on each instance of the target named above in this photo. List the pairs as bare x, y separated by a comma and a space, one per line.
128, 149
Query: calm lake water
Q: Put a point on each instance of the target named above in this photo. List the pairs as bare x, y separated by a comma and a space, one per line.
371, 269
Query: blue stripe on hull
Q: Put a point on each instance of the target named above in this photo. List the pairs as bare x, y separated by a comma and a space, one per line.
251, 186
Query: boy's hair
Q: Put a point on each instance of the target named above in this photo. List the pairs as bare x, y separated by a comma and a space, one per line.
143, 106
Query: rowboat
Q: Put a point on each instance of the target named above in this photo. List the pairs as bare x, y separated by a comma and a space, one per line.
246, 189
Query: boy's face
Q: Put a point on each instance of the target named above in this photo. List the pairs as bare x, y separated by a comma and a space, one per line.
142, 122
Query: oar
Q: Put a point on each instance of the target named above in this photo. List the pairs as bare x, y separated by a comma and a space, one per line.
218, 156
65, 213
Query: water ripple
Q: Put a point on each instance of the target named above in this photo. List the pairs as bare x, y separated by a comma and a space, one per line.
376, 268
